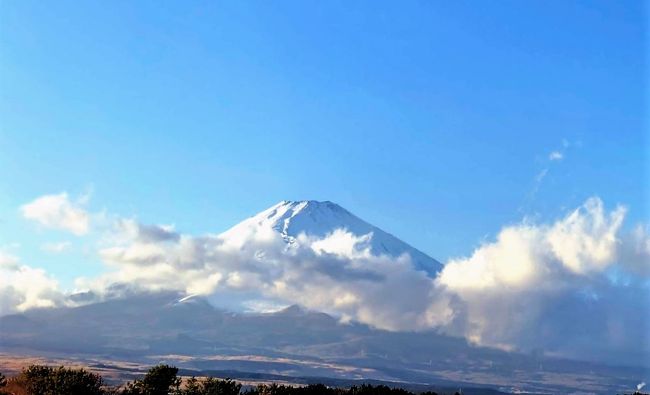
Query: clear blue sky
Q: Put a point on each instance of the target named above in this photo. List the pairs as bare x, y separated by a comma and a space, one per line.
429, 119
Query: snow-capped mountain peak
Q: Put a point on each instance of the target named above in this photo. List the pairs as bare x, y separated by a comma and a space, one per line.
319, 219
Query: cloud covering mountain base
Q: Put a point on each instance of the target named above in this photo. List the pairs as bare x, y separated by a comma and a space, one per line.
560, 288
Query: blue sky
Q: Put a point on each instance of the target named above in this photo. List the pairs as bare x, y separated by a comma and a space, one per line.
431, 120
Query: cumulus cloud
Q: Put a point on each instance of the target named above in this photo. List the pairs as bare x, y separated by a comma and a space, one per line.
23, 287
586, 240
58, 212
546, 285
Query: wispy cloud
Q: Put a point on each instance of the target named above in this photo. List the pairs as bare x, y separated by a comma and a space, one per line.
56, 248
8, 261
555, 155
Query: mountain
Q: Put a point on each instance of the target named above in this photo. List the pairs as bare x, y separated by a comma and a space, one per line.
190, 333
318, 219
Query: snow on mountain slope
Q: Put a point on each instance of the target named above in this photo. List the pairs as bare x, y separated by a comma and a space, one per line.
319, 219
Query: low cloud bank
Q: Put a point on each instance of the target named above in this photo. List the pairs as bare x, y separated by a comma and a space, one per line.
577, 287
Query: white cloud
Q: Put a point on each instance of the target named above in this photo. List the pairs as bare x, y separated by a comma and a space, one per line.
511, 261
537, 285
23, 287
586, 240
583, 242
556, 155
56, 248
341, 243
58, 212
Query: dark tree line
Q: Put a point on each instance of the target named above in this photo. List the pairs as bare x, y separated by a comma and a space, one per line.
164, 380
161, 380
45, 380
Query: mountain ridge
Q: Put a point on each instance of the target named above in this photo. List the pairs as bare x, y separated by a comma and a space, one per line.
150, 328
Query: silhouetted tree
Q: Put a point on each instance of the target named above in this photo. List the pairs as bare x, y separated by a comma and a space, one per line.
212, 386
159, 380
45, 380
368, 389
315, 389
